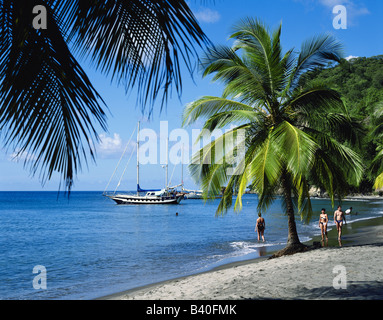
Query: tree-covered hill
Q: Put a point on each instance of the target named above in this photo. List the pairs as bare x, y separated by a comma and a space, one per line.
360, 83
359, 80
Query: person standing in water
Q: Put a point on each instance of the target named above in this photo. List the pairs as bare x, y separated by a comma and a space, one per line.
323, 220
339, 216
260, 227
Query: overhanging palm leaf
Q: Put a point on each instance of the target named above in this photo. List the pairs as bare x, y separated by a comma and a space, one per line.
49, 110
48, 103
138, 42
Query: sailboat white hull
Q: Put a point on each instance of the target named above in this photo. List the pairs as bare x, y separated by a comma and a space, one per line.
131, 199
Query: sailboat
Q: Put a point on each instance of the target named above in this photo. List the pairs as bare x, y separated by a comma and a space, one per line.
167, 195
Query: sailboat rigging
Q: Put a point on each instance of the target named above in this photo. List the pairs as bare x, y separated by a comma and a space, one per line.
167, 195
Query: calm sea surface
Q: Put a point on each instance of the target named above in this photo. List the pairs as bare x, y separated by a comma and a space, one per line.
91, 247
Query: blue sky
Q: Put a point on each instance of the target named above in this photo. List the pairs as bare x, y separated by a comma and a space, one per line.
300, 20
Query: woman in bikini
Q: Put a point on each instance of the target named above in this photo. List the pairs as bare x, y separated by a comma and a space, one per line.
323, 220
338, 219
260, 227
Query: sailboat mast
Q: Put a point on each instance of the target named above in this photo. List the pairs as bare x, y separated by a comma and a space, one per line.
167, 162
138, 160
182, 166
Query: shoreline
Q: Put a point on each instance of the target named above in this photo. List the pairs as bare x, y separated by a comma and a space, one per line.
351, 196
363, 239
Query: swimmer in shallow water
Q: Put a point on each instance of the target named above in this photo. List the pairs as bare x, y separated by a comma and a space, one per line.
260, 227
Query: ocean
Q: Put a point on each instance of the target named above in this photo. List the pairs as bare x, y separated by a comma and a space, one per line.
90, 247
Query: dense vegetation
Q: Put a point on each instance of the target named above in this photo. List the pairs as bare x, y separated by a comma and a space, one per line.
360, 83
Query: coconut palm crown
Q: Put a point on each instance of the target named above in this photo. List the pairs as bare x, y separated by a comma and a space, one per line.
295, 133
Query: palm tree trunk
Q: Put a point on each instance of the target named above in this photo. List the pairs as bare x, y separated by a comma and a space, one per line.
293, 243
293, 237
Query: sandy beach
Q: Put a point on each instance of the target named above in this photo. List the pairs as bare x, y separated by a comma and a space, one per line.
353, 271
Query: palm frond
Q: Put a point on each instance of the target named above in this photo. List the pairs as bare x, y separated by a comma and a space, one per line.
376, 169
266, 164
220, 120
377, 121
316, 97
227, 197
264, 53
217, 162
223, 148
304, 202
209, 106
350, 161
48, 105
318, 107
378, 182
296, 147
316, 52
336, 166
140, 43
241, 79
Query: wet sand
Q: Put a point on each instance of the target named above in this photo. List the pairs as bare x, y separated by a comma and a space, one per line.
352, 271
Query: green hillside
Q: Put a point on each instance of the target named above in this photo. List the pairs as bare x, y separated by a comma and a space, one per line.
360, 82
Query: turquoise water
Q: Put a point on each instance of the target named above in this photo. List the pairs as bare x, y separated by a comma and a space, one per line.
91, 247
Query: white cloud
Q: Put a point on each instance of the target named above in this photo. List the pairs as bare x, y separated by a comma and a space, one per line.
111, 146
351, 57
207, 15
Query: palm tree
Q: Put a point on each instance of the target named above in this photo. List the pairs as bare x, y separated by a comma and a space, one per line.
294, 132
49, 109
